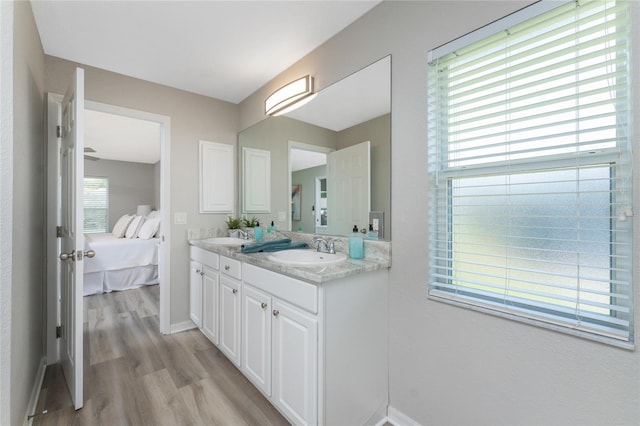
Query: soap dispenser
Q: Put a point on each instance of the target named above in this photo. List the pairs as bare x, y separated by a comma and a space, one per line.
257, 232
356, 244
372, 235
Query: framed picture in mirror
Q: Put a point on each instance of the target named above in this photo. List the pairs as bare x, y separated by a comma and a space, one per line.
296, 198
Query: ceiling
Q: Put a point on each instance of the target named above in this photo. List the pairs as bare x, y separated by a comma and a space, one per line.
222, 49
115, 137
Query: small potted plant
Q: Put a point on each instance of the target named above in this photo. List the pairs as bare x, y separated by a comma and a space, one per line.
250, 223
233, 223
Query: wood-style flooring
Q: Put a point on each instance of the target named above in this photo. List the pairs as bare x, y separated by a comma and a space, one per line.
133, 375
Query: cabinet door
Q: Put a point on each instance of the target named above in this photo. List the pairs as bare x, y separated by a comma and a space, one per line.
256, 337
256, 180
210, 304
295, 363
230, 303
217, 177
195, 293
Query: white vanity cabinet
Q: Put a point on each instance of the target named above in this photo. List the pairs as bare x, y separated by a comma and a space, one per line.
204, 288
280, 341
317, 351
230, 307
256, 337
295, 363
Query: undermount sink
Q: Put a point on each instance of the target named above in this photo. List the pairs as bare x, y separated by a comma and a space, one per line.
227, 241
306, 257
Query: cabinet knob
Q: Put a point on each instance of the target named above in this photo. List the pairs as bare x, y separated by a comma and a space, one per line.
235, 290
276, 312
202, 273
197, 271
227, 267
263, 305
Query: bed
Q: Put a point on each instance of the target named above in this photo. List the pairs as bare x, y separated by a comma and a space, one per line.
119, 263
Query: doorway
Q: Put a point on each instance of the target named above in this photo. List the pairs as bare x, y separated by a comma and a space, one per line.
163, 205
312, 158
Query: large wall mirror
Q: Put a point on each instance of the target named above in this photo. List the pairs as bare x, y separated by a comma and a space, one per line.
349, 125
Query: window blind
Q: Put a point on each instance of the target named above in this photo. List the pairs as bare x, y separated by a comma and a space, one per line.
530, 171
96, 204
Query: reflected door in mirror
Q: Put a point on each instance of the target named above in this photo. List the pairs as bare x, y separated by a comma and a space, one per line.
349, 188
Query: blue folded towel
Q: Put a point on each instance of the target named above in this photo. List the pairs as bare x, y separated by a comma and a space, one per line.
275, 245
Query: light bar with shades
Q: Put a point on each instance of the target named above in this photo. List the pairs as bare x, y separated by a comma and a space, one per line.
290, 96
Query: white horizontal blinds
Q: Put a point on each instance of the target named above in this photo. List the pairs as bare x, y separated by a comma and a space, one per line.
96, 204
529, 160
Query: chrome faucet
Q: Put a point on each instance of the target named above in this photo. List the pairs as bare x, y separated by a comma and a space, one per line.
328, 245
243, 234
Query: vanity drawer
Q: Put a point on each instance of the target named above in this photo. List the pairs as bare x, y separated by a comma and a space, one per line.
296, 292
205, 257
231, 267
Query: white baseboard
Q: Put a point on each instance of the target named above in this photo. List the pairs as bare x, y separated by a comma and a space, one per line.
398, 418
35, 392
182, 326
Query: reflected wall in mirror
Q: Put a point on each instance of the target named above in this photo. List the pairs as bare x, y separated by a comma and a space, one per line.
354, 110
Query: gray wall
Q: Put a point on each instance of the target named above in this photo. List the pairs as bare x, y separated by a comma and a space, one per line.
23, 164
130, 184
450, 365
193, 117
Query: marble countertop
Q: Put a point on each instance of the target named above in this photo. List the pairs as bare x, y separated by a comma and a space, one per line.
377, 256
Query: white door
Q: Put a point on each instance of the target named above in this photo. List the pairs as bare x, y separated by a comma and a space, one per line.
230, 318
295, 363
72, 243
256, 337
348, 188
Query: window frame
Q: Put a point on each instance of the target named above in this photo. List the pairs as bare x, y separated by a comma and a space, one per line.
439, 174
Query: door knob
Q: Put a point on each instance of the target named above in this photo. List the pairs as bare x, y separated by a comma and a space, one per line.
67, 256
89, 253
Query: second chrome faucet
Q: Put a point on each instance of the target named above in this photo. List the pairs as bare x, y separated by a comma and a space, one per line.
329, 246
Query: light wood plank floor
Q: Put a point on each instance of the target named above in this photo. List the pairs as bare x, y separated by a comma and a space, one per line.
133, 375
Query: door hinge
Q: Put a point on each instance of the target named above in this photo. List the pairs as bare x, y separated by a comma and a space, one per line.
58, 332
59, 231
59, 131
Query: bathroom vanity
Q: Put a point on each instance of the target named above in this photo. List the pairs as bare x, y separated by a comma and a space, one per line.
312, 338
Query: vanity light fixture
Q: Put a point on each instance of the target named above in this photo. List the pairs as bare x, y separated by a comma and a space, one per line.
289, 97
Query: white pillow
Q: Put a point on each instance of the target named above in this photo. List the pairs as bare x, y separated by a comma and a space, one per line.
121, 226
134, 227
155, 214
149, 229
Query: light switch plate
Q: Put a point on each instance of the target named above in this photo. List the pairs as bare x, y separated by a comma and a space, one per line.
377, 218
180, 218
282, 216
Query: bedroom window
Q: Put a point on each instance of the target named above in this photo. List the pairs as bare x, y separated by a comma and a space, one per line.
96, 205
530, 188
